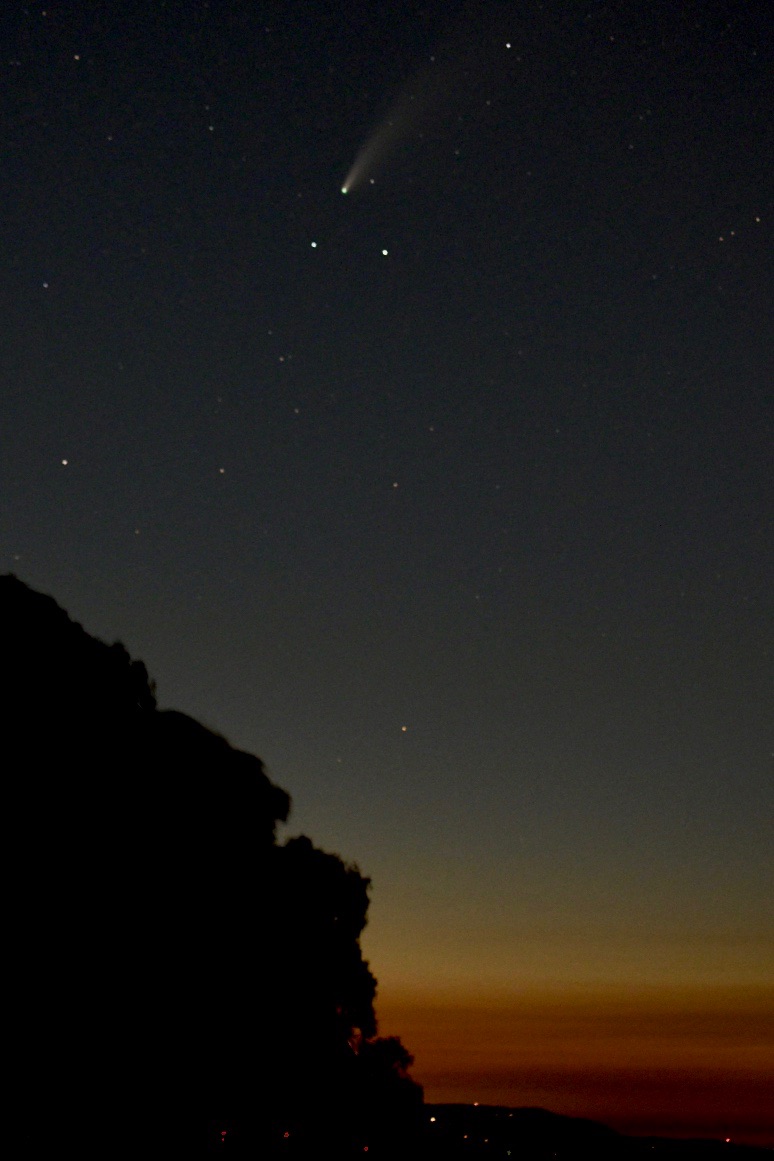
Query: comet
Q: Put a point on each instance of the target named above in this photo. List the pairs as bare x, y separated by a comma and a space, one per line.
376, 149
408, 119
438, 96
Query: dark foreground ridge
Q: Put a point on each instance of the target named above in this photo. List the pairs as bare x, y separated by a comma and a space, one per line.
177, 980
476, 1132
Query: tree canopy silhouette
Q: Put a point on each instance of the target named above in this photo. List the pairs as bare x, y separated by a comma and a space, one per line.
172, 964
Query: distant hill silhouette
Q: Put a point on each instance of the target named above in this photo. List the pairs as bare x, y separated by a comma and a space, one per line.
478, 1132
174, 973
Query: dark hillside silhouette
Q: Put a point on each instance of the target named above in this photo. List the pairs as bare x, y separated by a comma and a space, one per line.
170, 965
176, 980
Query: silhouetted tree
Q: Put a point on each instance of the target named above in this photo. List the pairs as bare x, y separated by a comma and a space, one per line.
169, 960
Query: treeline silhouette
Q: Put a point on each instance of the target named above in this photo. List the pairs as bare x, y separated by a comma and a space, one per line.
178, 981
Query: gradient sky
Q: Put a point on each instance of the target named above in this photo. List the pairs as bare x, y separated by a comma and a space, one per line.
450, 497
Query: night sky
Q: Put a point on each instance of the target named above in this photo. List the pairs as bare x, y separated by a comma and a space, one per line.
449, 496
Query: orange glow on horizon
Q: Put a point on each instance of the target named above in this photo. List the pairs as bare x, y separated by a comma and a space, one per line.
672, 1062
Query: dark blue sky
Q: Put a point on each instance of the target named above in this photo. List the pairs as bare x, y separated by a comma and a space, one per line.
506, 485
